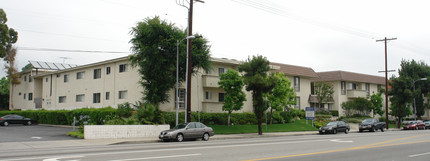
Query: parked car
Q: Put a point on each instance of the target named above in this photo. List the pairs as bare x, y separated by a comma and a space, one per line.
334, 127
371, 125
427, 123
15, 119
414, 125
191, 130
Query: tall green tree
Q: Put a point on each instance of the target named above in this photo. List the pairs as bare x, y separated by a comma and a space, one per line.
281, 95
4, 93
324, 92
401, 98
234, 97
8, 36
257, 80
376, 101
154, 53
12, 72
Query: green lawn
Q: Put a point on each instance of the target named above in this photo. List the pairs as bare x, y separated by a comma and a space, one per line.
299, 125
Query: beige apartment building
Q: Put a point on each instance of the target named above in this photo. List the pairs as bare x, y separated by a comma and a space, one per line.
112, 82
348, 86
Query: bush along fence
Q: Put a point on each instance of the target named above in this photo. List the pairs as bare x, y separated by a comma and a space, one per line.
108, 115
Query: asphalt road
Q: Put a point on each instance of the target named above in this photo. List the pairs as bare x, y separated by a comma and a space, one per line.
380, 146
22, 133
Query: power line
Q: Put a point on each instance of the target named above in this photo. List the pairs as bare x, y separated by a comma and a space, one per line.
67, 50
76, 36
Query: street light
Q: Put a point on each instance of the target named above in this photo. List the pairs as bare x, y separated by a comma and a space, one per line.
415, 105
177, 75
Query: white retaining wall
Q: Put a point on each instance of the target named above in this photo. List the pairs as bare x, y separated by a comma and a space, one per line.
122, 131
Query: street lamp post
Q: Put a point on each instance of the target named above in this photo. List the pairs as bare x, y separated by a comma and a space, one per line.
177, 76
415, 104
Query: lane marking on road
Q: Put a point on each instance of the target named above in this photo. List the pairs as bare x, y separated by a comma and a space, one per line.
36, 137
160, 157
417, 155
375, 145
65, 157
341, 141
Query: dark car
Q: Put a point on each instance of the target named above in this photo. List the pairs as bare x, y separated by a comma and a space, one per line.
191, 130
414, 125
15, 119
334, 127
371, 125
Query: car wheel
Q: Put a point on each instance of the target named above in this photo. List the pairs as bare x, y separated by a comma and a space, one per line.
382, 129
346, 131
179, 137
360, 130
373, 129
334, 131
416, 127
28, 123
6, 123
205, 137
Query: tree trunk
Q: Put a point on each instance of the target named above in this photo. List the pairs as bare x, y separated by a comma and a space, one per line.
260, 130
228, 120
271, 115
11, 96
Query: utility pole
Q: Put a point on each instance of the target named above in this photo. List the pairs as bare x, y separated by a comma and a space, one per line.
386, 80
189, 62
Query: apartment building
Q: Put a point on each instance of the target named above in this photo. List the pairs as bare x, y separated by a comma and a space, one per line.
348, 86
112, 82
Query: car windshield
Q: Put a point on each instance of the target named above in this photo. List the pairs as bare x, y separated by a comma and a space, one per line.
331, 123
367, 121
180, 126
411, 122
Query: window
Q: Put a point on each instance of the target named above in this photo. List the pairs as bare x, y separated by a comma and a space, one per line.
62, 99
46, 79
122, 68
24, 96
297, 83
297, 106
80, 98
66, 78
181, 98
330, 106
222, 70
96, 97
58, 75
30, 96
379, 87
343, 87
208, 95
221, 97
97, 73
107, 70
367, 88
107, 95
122, 94
25, 78
30, 79
80, 75
352, 86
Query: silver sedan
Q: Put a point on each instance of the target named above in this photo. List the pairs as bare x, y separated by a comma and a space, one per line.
191, 130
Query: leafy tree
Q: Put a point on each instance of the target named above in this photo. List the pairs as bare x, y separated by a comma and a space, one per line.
376, 101
359, 104
27, 67
234, 97
11, 72
8, 36
324, 92
4, 93
154, 47
281, 95
257, 81
402, 97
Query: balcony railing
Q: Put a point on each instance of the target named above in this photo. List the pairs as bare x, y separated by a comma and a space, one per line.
356, 93
210, 81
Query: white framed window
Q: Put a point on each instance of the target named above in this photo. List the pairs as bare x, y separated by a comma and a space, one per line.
30, 96
62, 99
181, 98
297, 83
80, 98
123, 68
352, 86
66, 78
368, 88
221, 97
30, 79
297, 106
24, 96
25, 78
343, 87
122, 94
96, 97
222, 70
107, 96
46, 79
97, 73
208, 95
80, 75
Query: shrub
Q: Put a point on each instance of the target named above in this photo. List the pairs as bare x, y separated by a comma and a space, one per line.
125, 110
334, 113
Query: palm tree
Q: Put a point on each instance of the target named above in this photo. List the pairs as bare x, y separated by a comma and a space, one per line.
12, 73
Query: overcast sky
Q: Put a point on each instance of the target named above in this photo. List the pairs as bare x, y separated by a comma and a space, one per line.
324, 35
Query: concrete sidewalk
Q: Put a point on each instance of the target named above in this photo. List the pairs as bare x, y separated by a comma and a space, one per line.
12, 146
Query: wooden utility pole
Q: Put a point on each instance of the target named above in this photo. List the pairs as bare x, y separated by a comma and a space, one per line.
386, 80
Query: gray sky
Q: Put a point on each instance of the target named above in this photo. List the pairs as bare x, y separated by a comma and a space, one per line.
324, 35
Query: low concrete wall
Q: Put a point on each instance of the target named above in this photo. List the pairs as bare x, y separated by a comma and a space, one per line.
122, 131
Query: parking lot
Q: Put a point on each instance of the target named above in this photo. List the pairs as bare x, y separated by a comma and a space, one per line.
21, 133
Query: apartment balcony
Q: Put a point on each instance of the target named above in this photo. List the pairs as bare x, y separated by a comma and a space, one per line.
356, 93
210, 81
